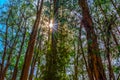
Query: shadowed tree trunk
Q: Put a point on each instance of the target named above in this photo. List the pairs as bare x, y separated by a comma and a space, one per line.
5, 46
14, 76
10, 54
76, 61
52, 61
94, 59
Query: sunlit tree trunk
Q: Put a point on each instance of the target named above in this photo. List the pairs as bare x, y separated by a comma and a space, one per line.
54, 42
52, 57
48, 54
36, 55
30, 49
33, 66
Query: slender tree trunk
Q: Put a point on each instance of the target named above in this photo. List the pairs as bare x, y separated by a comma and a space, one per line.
118, 77
108, 31
35, 58
94, 59
82, 51
48, 59
10, 54
52, 57
54, 42
30, 49
111, 74
33, 67
76, 60
117, 10
8, 61
75, 63
5, 47
18, 57
116, 42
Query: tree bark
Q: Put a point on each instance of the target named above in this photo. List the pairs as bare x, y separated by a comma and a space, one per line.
94, 59
52, 57
36, 57
5, 46
18, 57
30, 49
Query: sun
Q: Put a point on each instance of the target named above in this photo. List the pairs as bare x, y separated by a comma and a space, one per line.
51, 24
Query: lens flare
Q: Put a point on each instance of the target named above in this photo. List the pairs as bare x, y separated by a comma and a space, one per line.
51, 24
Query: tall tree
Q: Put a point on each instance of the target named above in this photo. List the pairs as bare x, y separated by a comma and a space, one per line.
96, 70
30, 49
52, 67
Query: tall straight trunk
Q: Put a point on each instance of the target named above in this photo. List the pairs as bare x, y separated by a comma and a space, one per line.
107, 50
94, 59
111, 74
116, 41
52, 56
48, 59
37, 74
82, 51
5, 46
54, 42
76, 61
8, 62
10, 54
14, 76
30, 49
33, 66
36, 56
108, 32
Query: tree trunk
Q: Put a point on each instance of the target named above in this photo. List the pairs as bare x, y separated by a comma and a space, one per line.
33, 66
52, 57
5, 47
94, 59
18, 57
30, 49
36, 57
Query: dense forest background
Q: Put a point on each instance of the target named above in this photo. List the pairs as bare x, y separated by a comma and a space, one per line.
60, 40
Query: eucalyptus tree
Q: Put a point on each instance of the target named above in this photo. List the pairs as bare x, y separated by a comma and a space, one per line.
95, 69
14, 25
31, 43
60, 40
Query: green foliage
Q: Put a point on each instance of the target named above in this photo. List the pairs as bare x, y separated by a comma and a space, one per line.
19, 15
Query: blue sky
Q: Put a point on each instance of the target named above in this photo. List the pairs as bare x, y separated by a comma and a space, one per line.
2, 2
